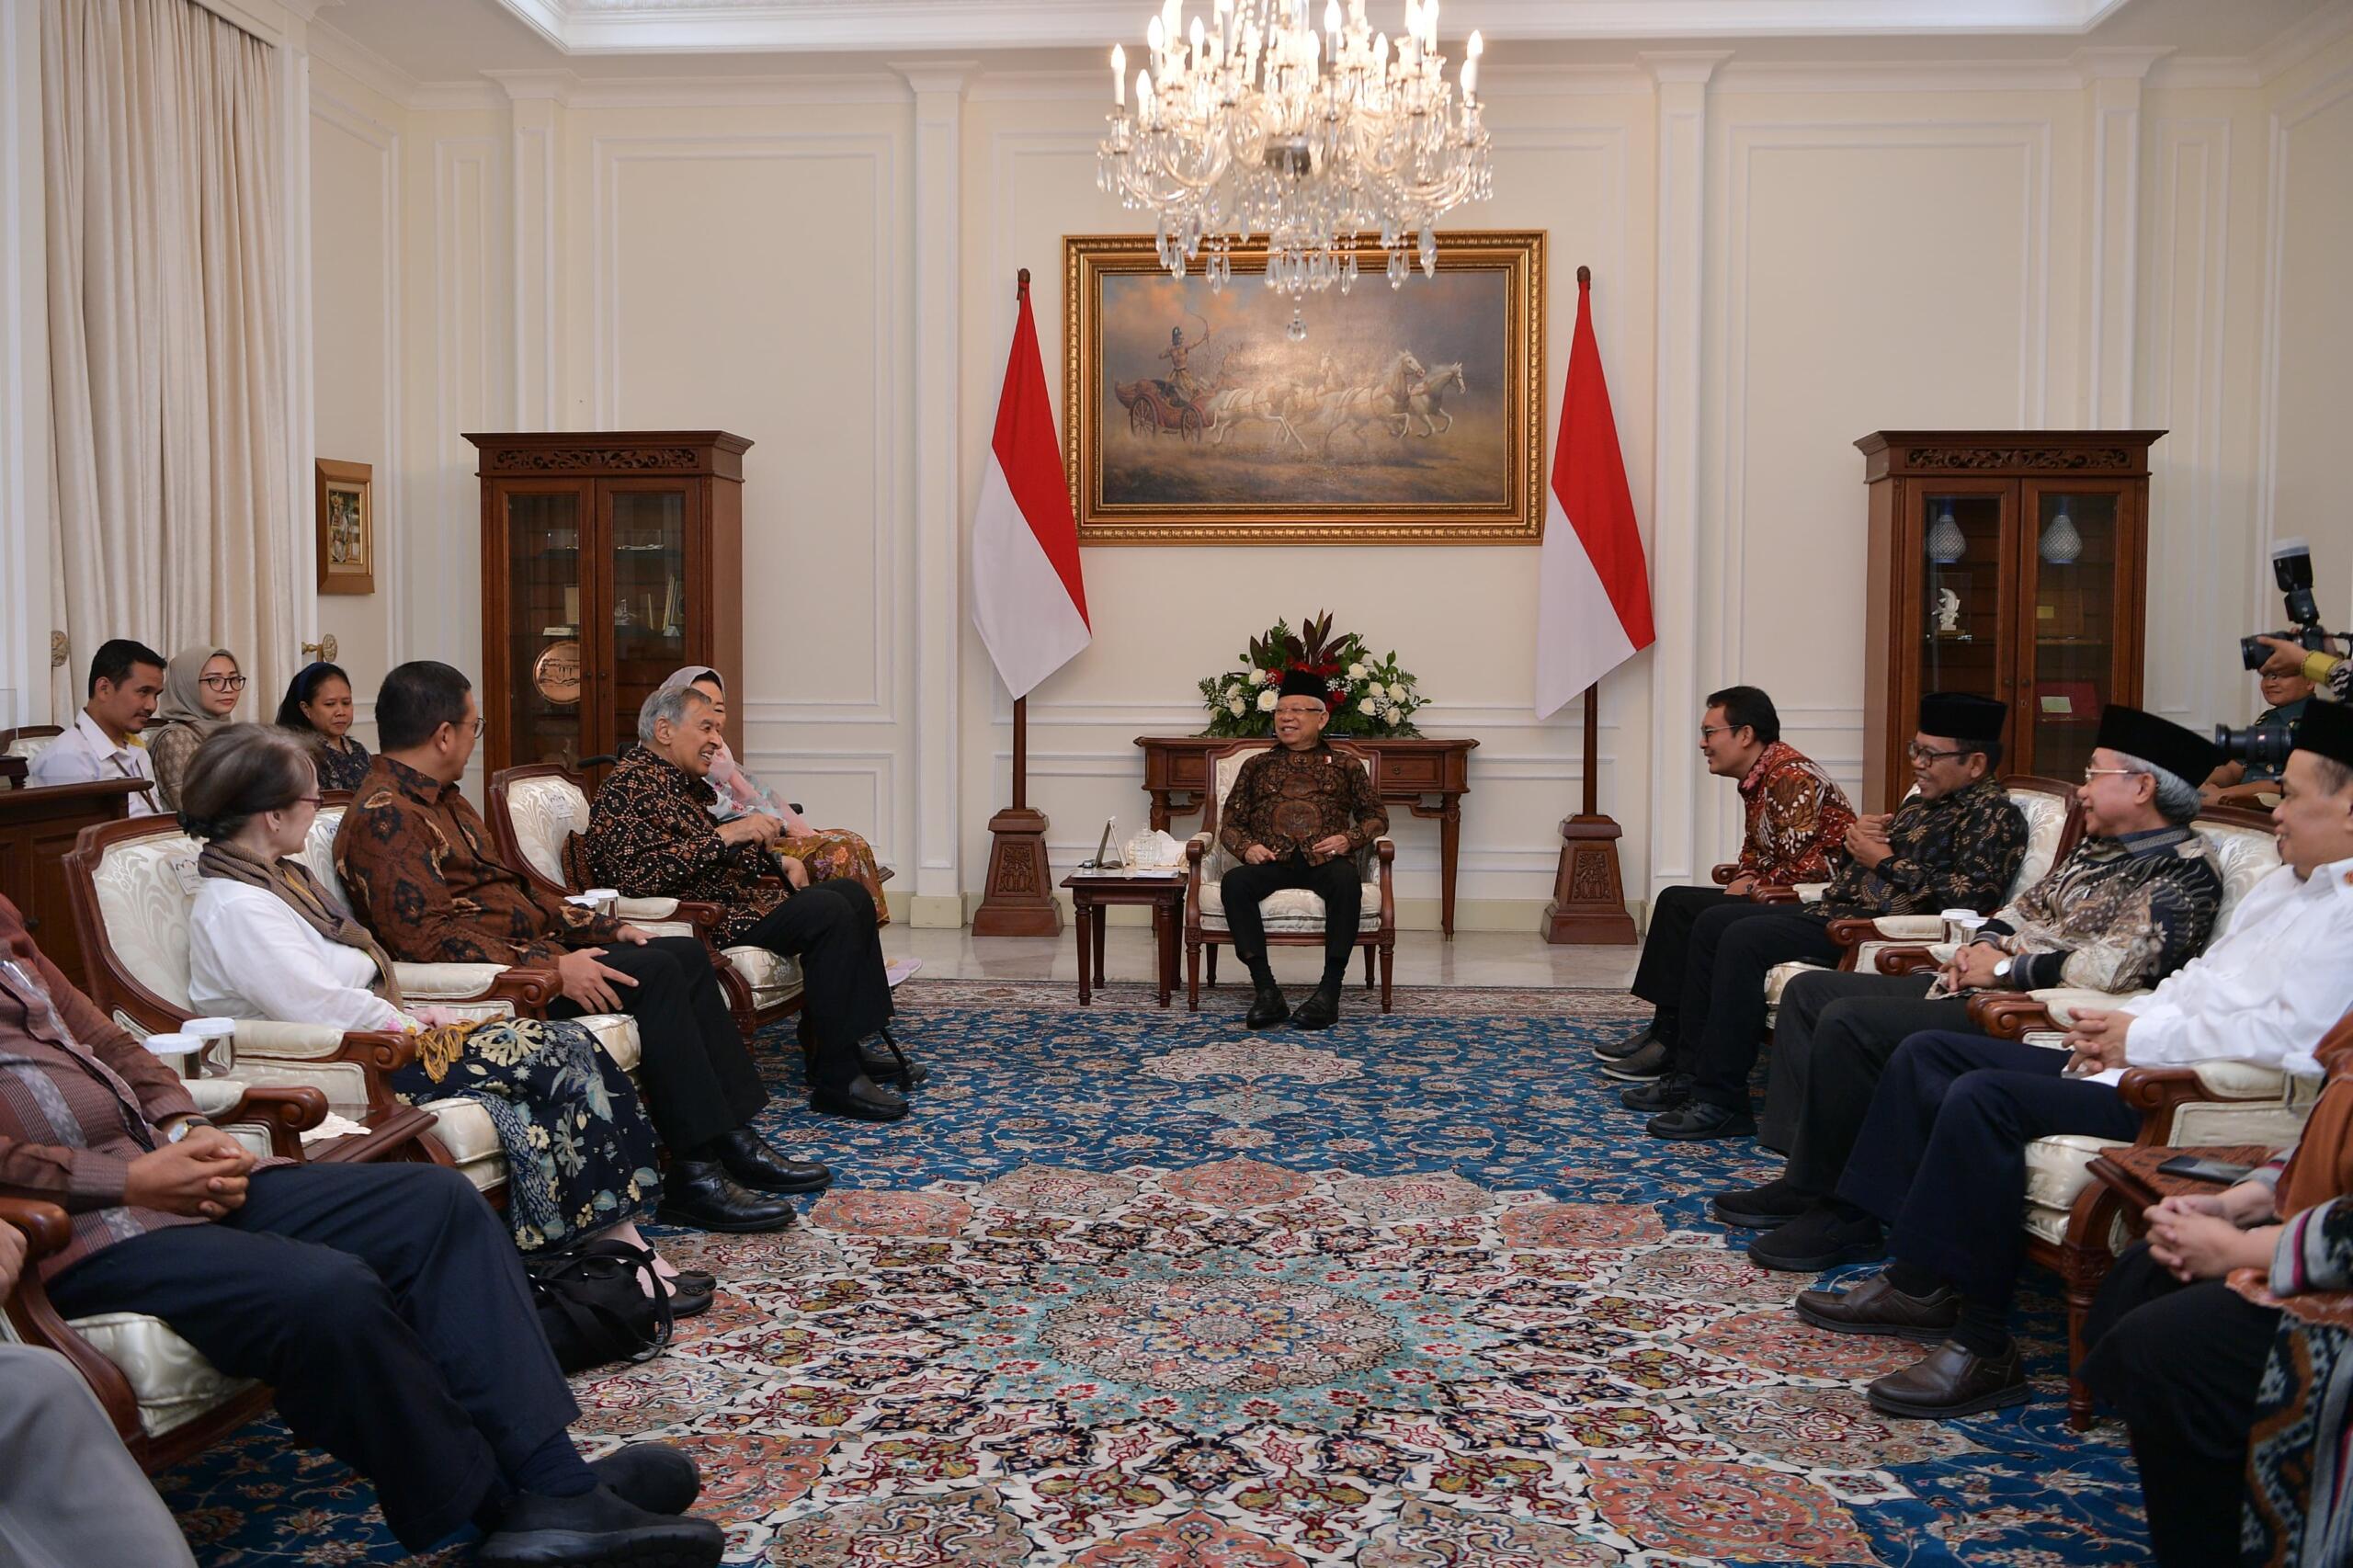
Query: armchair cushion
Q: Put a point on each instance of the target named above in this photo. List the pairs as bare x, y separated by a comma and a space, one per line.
546, 813
774, 979
1288, 909
2243, 856
466, 1132
641, 910
2046, 825
146, 888
425, 985
2064, 1001
2057, 1171
1909, 928
173, 1383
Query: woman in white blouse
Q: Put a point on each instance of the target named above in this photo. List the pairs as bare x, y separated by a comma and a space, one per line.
265, 941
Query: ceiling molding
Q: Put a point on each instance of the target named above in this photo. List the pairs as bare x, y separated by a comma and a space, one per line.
641, 27
2302, 42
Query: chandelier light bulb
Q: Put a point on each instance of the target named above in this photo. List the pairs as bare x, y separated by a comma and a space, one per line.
1143, 96
1119, 76
1155, 35
1195, 34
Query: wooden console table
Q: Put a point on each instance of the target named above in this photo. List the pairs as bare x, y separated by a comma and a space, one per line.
1427, 777
37, 827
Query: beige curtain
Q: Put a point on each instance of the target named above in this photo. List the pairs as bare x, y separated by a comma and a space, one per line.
166, 352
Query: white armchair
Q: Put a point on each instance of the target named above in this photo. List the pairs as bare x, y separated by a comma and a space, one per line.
535, 812
1295, 917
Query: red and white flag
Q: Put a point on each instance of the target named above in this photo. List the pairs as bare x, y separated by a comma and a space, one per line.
1029, 599
1593, 596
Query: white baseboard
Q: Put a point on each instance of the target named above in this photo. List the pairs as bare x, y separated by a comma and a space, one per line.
1505, 915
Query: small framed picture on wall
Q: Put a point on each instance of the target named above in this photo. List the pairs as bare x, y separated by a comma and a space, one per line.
347, 529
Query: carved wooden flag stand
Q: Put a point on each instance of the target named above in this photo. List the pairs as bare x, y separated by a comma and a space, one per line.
1589, 907
1020, 897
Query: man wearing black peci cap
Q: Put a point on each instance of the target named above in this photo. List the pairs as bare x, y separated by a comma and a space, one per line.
2130, 904
1958, 840
1296, 817
1942, 1155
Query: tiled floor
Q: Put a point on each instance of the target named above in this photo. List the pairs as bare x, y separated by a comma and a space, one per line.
1423, 958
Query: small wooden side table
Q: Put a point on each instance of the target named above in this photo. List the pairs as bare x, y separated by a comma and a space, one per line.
2132, 1174
1092, 896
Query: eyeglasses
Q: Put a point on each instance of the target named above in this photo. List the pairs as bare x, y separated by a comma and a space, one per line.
1706, 730
1300, 713
305, 801
223, 683
2092, 773
1923, 754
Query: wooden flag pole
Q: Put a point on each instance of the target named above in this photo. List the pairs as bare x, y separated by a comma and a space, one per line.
1019, 899
1589, 907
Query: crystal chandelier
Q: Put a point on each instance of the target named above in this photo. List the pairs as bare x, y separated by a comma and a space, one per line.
1250, 121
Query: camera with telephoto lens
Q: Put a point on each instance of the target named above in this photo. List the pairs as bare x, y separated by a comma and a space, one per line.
2263, 748
2291, 568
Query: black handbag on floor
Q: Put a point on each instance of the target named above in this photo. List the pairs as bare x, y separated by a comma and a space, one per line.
593, 1304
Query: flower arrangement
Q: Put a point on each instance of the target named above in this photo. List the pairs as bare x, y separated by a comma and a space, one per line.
1366, 695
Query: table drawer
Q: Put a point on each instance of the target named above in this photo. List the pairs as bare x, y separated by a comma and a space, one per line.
1408, 772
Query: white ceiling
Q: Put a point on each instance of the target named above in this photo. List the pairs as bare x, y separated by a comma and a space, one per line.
460, 41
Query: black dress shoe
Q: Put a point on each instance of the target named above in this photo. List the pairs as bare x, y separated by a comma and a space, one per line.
1950, 1382
1820, 1238
1761, 1207
701, 1195
597, 1529
1659, 1094
891, 1063
864, 1099
1645, 1066
1267, 1008
1874, 1306
1697, 1121
1618, 1050
1319, 1011
750, 1161
652, 1476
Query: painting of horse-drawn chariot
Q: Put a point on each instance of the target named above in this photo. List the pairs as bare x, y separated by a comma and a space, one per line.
1413, 415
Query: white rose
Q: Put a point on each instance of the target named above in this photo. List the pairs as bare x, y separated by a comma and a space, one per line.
1267, 701
1356, 672
1236, 706
1397, 694
1257, 677
1395, 714
1231, 691
1368, 707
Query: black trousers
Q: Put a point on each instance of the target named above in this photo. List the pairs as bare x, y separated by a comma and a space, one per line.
1667, 948
1734, 947
1831, 1042
2181, 1364
1941, 1158
1334, 882
699, 1078
387, 1306
845, 993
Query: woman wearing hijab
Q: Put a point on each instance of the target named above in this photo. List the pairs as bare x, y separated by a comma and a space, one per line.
318, 703
265, 941
2226, 1342
202, 686
825, 852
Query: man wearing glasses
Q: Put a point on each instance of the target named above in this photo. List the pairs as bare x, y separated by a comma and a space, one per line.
2132, 903
1295, 818
1796, 818
1956, 841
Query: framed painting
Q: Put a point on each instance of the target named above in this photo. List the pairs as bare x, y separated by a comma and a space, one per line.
1408, 415
347, 529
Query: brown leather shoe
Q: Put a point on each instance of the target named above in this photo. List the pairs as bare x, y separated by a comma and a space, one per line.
1948, 1381
1874, 1306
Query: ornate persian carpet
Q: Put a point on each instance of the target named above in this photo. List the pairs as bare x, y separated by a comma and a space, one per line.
1135, 1289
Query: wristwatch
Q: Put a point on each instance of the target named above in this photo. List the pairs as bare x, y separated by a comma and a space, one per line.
2001, 969
181, 1127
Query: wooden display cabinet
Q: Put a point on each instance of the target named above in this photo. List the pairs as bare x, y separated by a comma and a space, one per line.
2013, 564
608, 560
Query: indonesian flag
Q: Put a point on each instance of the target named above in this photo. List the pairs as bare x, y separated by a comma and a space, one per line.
1593, 595
1027, 597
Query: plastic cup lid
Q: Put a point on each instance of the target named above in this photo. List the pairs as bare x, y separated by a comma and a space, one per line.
174, 1044
210, 1028
1959, 915
602, 893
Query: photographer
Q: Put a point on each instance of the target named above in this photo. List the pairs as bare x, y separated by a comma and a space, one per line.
2244, 781
2316, 668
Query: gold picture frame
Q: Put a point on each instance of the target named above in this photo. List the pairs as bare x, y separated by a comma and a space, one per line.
346, 524
1412, 416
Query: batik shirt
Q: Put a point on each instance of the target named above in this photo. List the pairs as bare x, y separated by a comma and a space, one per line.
2115, 915
1797, 816
1291, 800
651, 834
1958, 850
417, 864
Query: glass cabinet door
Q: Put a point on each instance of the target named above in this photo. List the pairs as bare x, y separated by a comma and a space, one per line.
544, 714
646, 523
1964, 598
2069, 638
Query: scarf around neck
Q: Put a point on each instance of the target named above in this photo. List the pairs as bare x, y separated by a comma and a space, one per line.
292, 881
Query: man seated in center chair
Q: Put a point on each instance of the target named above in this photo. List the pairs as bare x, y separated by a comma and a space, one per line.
651, 834
1296, 817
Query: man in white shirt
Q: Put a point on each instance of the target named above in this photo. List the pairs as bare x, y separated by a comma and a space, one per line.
126, 677
1942, 1160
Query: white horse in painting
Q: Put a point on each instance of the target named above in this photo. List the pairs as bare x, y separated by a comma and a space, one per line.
1426, 401
1375, 403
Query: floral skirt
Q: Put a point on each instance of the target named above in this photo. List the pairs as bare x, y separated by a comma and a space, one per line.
837, 852
580, 1153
